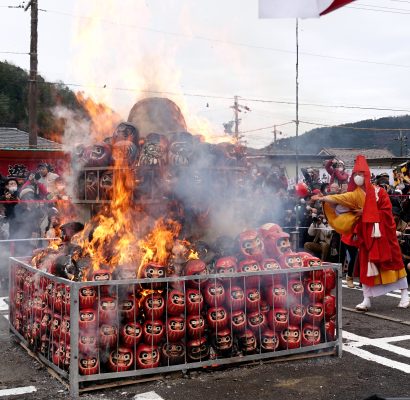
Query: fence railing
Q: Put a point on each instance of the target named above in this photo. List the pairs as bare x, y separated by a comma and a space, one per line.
109, 329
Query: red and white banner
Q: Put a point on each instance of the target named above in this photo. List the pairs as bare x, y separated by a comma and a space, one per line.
298, 8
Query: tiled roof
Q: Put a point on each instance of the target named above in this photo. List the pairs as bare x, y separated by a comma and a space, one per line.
349, 155
13, 139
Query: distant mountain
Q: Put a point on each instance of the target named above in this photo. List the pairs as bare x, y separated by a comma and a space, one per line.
312, 141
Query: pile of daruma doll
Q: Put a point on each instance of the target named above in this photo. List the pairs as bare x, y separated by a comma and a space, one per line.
126, 327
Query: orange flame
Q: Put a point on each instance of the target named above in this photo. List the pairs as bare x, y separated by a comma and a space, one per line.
193, 255
103, 118
158, 244
115, 232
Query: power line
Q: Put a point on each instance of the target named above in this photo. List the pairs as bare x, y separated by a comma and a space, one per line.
378, 10
328, 105
210, 96
14, 52
227, 42
232, 43
247, 45
355, 127
385, 8
268, 127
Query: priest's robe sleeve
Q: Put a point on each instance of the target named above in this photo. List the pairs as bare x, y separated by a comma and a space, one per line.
344, 223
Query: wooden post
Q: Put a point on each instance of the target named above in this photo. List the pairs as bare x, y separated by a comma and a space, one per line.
32, 90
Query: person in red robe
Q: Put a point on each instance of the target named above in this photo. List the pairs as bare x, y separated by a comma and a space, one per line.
365, 210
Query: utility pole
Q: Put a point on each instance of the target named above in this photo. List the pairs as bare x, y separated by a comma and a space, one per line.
297, 106
32, 89
403, 142
236, 109
274, 134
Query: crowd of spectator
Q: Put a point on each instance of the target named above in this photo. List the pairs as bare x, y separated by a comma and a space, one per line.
318, 238
30, 209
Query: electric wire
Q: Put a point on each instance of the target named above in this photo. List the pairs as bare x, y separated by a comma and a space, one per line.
233, 43
14, 52
354, 127
211, 96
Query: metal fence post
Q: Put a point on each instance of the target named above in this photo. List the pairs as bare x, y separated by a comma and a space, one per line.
339, 311
74, 332
10, 291
294, 239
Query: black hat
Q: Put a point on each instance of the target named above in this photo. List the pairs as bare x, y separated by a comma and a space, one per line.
10, 178
383, 175
383, 178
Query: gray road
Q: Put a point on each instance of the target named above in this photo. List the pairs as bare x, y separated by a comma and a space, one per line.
368, 367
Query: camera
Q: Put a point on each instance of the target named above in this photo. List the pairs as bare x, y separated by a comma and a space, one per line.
317, 220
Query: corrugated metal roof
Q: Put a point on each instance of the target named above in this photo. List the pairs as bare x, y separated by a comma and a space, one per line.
349, 155
15, 139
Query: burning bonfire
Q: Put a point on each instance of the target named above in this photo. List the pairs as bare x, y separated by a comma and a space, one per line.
164, 199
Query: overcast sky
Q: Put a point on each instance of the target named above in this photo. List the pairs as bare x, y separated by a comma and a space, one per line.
219, 48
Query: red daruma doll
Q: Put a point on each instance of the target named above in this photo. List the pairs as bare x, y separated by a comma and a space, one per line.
238, 321
153, 331
235, 298
214, 294
290, 337
131, 333
251, 244
217, 318
108, 309
225, 265
270, 264
175, 329
195, 325
154, 306
88, 342
152, 271
120, 359
128, 308
252, 299
194, 301
249, 266
269, 340
88, 296
278, 319
102, 275
88, 364
147, 356
175, 302
310, 335
193, 269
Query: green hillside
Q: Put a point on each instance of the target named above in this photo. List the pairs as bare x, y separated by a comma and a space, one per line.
312, 141
14, 101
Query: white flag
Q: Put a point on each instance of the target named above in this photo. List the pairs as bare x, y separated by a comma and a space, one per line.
298, 8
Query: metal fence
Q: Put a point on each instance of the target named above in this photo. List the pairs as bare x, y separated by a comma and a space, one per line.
107, 329
150, 183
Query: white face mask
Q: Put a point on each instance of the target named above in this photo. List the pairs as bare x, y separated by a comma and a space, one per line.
340, 168
359, 180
